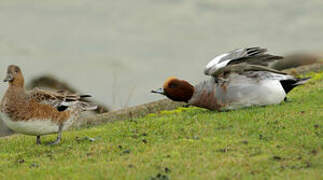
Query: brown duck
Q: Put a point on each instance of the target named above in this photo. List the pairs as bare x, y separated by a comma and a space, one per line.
39, 112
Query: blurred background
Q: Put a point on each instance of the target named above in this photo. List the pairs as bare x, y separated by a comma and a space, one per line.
119, 50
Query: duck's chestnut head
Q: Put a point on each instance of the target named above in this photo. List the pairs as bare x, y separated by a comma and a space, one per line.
176, 90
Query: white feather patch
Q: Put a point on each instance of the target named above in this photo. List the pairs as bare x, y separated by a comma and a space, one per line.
216, 60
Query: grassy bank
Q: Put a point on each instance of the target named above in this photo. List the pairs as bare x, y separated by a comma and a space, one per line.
280, 141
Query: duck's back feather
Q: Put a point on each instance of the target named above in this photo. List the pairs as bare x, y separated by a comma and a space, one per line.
61, 100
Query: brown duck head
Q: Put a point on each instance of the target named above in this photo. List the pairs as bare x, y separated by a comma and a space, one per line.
14, 76
176, 90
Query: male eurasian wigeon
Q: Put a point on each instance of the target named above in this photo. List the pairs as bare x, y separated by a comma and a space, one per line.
39, 112
237, 80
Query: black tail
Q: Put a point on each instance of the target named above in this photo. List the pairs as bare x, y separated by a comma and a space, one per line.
289, 84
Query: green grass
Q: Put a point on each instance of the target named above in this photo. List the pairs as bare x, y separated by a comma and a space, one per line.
274, 142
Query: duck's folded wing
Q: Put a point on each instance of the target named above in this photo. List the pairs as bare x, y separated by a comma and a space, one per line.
252, 56
60, 100
252, 71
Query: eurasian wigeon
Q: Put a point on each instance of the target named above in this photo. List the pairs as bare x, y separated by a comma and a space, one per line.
237, 80
39, 112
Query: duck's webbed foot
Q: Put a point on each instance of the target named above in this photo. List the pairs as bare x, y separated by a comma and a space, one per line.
57, 141
59, 136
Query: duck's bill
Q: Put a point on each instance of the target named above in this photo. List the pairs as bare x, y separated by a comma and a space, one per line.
8, 78
158, 91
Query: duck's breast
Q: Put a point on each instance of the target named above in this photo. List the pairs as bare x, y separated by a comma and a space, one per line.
205, 96
32, 127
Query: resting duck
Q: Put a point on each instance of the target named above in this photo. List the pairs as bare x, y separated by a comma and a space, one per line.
39, 112
240, 78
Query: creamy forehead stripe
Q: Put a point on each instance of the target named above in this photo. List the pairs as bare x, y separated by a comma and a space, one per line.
216, 60
169, 79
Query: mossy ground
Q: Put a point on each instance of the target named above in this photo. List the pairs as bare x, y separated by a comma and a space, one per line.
274, 142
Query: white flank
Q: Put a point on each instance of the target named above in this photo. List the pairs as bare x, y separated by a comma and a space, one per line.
263, 93
273, 92
34, 127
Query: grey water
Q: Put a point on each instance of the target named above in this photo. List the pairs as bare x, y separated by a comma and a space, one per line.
120, 50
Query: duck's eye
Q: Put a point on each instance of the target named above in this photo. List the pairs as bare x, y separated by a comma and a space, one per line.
172, 85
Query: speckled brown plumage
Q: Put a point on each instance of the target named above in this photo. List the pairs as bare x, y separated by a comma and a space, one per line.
39, 112
19, 106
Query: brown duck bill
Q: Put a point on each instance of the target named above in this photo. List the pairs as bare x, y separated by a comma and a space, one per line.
158, 91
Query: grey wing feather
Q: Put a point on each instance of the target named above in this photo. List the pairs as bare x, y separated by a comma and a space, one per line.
243, 53
249, 56
267, 75
243, 69
263, 60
